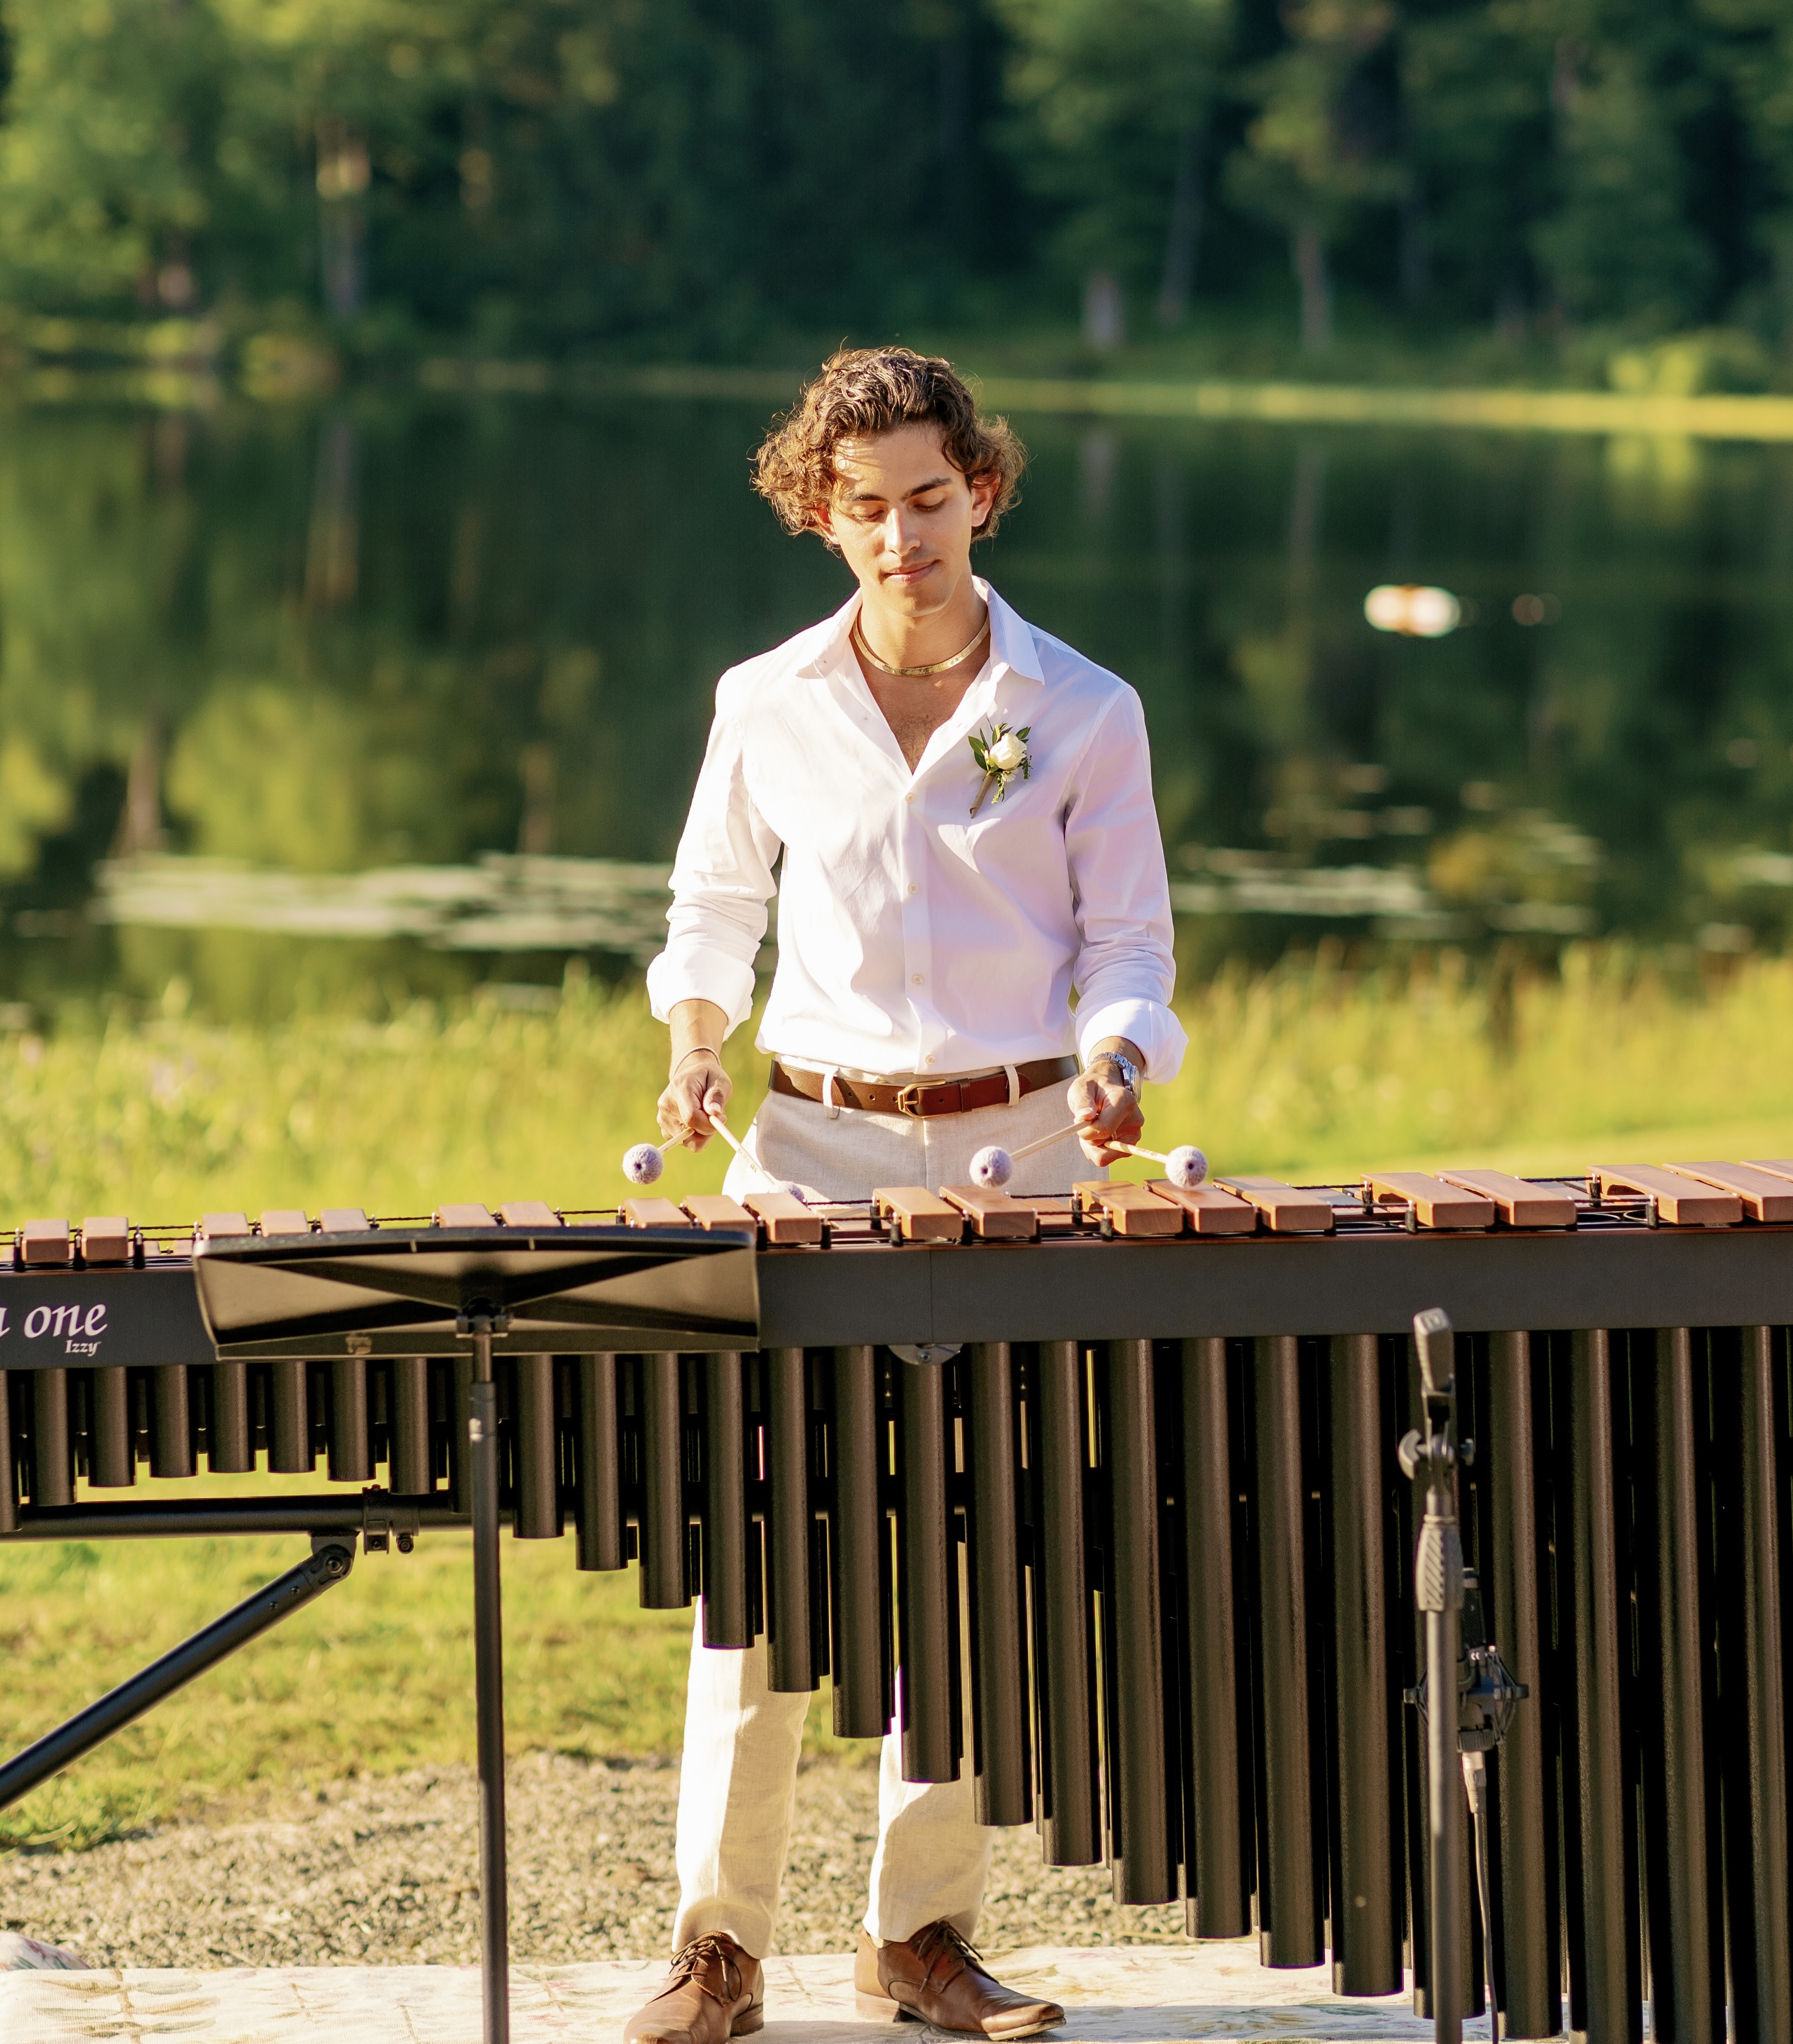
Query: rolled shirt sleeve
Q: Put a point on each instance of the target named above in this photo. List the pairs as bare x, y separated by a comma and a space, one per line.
721, 882
1126, 971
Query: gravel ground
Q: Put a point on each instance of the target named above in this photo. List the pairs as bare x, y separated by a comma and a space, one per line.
377, 1872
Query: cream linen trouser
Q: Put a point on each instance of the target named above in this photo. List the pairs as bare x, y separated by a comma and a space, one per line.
742, 1740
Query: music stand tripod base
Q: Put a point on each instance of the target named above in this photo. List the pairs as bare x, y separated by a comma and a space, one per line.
437, 1291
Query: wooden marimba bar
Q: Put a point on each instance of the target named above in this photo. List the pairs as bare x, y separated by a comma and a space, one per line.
1103, 1485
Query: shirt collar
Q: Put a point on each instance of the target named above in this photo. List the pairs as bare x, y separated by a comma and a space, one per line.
1011, 639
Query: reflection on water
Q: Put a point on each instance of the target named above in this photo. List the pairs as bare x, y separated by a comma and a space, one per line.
436, 676
503, 903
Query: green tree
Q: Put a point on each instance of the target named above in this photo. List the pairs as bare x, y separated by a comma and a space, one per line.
1115, 99
1320, 150
1751, 44
1619, 243
1476, 98
108, 175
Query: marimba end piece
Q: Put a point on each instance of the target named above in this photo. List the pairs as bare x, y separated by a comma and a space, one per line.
467, 1213
787, 1223
529, 1213
43, 1242
1134, 1210
285, 1220
1287, 1209
1682, 1201
922, 1216
653, 1213
995, 1216
342, 1221
717, 1210
214, 1225
105, 1239
1210, 1211
1518, 1203
1765, 1195
1436, 1202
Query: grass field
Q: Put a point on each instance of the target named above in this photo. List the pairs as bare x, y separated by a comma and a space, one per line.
1306, 1072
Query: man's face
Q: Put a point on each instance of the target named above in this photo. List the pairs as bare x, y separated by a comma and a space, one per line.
903, 517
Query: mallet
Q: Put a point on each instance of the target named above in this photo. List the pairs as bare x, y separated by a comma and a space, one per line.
643, 1165
740, 1149
994, 1167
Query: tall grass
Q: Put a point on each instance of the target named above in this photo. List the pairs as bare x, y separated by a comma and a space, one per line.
1312, 1072
1307, 1071
166, 1118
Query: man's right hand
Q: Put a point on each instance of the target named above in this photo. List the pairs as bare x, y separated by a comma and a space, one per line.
697, 1088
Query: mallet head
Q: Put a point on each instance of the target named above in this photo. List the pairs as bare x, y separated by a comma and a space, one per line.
991, 1167
1185, 1167
643, 1164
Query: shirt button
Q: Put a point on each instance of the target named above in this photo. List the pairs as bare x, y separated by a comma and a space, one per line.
927, 1061
918, 979
914, 887
908, 798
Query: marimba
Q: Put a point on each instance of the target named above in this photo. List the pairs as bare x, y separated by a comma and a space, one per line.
1102, 1487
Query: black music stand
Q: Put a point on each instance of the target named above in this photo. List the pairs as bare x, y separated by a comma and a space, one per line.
436, 1291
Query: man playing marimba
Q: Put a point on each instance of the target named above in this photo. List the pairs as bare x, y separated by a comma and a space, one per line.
964, 807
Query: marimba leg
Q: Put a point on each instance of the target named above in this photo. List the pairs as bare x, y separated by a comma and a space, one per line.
859, 1548
1752, 1485
599, 1509
1366, 1907
1529, 1976
789, 1665
1288, 1888
999, 1640
1063, 1644
1142, 1791
1217, 1793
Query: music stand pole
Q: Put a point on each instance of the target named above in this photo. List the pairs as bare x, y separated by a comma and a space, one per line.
488, 1677
1430, 1459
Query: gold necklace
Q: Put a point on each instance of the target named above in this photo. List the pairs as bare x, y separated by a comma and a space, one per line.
937, 667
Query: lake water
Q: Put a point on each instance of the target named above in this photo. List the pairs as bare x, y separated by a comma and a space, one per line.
304, 706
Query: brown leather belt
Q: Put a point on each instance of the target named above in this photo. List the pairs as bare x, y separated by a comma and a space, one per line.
921, 1098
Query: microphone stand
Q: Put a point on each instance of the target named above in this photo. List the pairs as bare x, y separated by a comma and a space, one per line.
1483, 1689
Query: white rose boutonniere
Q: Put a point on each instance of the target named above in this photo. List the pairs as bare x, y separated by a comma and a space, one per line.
999, 752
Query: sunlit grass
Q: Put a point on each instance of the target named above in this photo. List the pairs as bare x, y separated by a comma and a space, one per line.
374, 1677
1310, 1073
165, 1119
1306, 1072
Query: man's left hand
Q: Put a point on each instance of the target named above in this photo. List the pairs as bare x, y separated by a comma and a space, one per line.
1108, 1107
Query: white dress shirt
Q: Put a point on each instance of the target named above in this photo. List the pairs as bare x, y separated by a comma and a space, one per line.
914, 937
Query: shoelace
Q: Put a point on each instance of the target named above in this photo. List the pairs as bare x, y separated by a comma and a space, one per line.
938, 1940
701, 1952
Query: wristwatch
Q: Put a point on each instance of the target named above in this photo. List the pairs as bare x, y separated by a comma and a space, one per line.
1129, 1071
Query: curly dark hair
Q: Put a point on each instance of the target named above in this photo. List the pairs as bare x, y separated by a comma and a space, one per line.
866, 390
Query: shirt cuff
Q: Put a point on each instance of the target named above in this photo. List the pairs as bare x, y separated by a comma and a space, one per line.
695, 973
1148, 1024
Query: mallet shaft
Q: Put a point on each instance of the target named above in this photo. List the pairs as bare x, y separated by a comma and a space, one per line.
741, 1150
1045, 1141
1074, 1128
1133, 1150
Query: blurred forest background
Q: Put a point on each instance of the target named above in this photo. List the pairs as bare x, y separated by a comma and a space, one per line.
1559, 179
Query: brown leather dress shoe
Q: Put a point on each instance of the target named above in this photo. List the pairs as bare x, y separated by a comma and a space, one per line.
714, 1991
935, 1977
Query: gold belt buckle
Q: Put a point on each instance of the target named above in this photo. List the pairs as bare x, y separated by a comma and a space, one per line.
908, 1100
